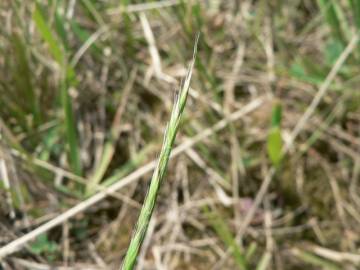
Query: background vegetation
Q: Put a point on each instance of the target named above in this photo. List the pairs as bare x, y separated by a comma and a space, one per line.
266, 164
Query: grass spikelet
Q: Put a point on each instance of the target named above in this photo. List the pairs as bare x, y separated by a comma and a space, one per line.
159, 172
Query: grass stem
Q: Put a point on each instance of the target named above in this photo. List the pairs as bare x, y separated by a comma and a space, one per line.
159, 172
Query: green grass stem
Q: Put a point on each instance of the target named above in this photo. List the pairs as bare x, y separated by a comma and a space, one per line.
159, 172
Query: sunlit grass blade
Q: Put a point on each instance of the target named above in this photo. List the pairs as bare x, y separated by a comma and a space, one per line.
158, 175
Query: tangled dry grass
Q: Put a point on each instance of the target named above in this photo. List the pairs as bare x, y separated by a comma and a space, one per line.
265, 169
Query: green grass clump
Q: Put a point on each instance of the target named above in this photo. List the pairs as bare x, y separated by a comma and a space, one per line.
67, 77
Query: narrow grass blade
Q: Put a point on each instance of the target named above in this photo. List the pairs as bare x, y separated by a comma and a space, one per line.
67, 79
60, 26
330, 12
23, 83
93, 11
355, 6
83, 35
47, 35
158, 175
70, 126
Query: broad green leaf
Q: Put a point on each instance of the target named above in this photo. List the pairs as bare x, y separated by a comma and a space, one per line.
274, 141
333, 50
42, 244
274, 145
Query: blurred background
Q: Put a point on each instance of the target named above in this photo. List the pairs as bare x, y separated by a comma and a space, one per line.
267, 158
